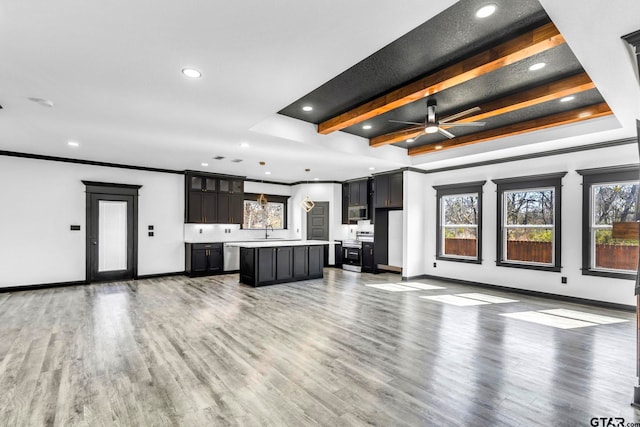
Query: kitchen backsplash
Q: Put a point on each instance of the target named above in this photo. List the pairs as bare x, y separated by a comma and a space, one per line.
203, 233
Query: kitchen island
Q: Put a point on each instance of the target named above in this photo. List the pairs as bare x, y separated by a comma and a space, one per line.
272, 262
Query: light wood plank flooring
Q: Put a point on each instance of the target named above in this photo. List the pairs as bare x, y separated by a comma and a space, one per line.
209, 351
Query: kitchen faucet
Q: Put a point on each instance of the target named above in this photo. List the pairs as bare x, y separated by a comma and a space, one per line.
266, 229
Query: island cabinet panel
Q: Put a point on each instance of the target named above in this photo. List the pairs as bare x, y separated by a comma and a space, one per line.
266, 265
316, 261
284, 263
261, 266
300, 261
247, 266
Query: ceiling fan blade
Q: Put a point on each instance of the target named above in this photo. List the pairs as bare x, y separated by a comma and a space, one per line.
460, 114
421, 127
463, 124
408, 123
446, 133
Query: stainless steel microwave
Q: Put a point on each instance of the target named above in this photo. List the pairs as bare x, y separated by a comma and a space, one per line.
358, 212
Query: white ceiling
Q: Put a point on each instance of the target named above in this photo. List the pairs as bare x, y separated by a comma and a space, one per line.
112, 70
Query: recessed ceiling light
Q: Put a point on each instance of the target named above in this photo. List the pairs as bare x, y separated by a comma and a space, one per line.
73, 144
316, 179
43, 102
244, 145
191, 73
267, 173
372, 168
204, 164
438, 147
584, 114
366, 127
486, 11
568, 98
410, 140
537, 66
307, 108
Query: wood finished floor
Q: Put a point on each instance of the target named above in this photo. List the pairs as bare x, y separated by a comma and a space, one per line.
209, 351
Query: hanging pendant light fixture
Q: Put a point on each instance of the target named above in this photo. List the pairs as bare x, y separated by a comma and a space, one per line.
262, 199
307, 204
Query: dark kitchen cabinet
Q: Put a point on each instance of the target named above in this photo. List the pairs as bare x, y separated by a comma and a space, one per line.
230, 208
231, 185
345, 203
202, 208
368, 262
338, 254
282, 264
359, 193
214, 200
266, 264
300, 261
203, 258
388, 190
316, 261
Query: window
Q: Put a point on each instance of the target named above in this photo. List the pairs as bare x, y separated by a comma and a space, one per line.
529, 222
610, 196
273, 215
459, 221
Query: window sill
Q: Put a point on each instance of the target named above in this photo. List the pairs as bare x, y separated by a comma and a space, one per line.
551, 268
610, 274
455, 259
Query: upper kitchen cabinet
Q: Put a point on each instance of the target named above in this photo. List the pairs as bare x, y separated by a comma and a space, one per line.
359, 193
356, 203
388, 190
231, 185
212, 199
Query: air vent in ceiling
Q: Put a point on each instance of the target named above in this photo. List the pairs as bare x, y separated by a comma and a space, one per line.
236, 160
218, 158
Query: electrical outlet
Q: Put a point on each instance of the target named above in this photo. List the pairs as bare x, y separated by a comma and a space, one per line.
434, 265
200, 230
563, 280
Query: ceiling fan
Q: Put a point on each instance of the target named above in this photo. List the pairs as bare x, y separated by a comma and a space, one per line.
432, 124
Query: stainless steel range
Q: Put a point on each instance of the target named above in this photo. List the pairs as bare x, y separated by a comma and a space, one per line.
352, 251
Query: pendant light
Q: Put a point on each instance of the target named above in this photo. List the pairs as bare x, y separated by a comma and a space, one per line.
307, 204
262, 199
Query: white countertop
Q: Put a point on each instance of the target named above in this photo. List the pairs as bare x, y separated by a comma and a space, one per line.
276, 243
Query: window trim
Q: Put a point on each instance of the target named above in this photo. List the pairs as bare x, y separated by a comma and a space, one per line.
552, 180
252, 197
601, 176
451, 190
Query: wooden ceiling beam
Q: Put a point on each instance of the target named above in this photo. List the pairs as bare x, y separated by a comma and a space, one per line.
527, 98
509, 52
564, 118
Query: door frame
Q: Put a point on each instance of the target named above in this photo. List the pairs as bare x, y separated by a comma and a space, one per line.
109, 190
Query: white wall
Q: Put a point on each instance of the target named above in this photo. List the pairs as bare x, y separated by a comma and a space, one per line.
420, 219
41, 199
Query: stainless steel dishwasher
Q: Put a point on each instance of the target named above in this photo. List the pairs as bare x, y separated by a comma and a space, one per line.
231, 258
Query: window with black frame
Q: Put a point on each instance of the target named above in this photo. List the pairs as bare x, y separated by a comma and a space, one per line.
459, 222
258, 216
610, 198
529, 221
